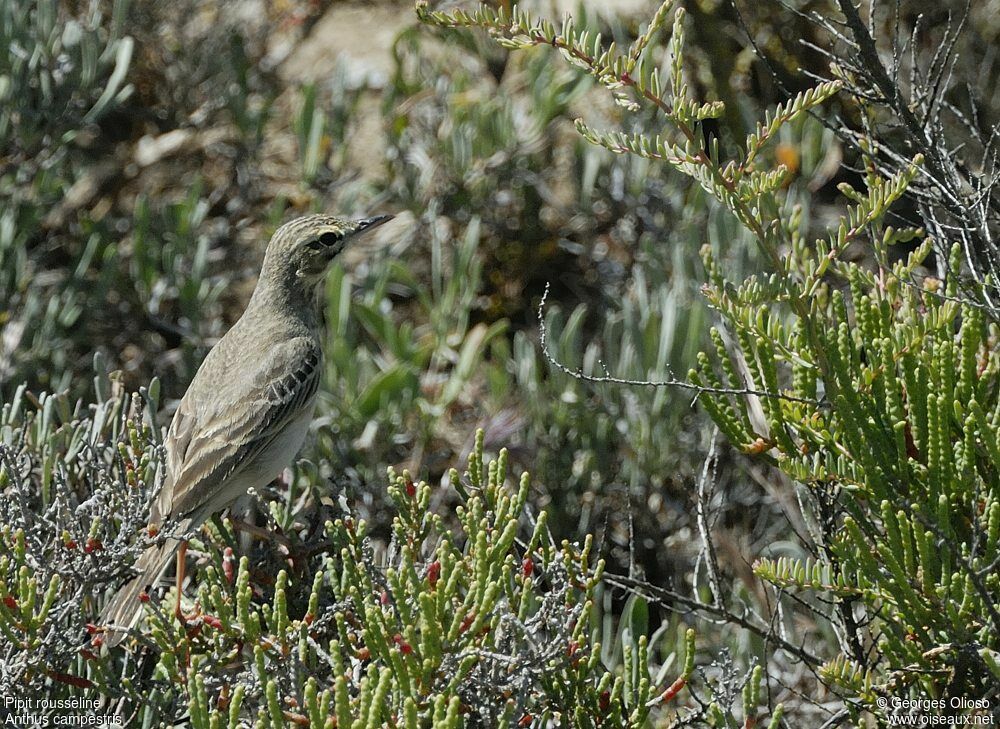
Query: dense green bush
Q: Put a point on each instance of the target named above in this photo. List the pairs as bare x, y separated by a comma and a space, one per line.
861, 392
489, 623
900, 456
881, 399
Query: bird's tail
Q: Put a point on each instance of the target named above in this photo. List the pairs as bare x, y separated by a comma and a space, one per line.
123, 611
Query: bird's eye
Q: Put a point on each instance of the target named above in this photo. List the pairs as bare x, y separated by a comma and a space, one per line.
326, 240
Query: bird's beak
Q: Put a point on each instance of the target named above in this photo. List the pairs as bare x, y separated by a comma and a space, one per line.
362, 226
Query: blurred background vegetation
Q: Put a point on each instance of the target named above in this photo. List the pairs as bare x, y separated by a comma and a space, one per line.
147, 151
150, 152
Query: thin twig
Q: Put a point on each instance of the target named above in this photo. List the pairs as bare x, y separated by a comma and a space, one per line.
671, 600
579, 374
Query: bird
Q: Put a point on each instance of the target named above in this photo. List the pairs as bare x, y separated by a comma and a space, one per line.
248, 408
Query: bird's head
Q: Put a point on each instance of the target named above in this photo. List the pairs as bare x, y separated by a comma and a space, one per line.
301, 250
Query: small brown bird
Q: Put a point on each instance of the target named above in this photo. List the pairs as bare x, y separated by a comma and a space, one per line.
246, 412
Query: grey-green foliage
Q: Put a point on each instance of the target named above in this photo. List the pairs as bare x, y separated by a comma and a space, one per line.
164, 283
469, 145
94, 250
58, 74
459, 148
422, 350
401, 378
955, 196
484, 623
602, 446
474, 133
77, 481
908, 446
880, 400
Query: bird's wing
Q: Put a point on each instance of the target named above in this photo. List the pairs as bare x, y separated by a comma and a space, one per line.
207, 445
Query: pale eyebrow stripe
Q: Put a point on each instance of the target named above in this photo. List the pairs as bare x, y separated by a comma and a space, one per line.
304, 224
